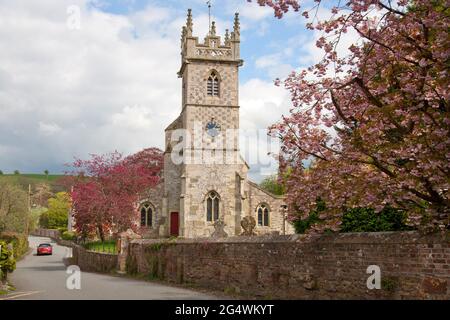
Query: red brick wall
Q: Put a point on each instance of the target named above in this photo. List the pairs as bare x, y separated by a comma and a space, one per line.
330, 267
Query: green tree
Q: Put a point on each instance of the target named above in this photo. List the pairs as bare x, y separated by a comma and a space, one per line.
367, 220
301, 226
272, 185
13, 208
46, 174
58, 208
16, 172
43, 220
7, 261
1, 172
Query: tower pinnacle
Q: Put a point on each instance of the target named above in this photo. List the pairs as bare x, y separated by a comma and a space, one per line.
237, 28
189, 24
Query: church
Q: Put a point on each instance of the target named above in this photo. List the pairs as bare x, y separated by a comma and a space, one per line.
205, 177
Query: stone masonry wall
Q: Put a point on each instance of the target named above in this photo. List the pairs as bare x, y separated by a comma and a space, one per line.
93, 261
329, 267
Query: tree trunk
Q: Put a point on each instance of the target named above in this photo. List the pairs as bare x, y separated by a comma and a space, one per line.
101, 233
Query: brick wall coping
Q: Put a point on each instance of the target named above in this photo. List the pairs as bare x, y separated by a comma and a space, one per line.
403, 237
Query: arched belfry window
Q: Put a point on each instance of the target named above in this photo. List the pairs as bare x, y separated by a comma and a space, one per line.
146, 215
263, 215
212, 206
213, 84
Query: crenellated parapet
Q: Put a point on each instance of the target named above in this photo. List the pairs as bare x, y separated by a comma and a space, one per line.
213, 47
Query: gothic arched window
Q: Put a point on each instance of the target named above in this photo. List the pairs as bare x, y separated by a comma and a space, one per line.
213, 85
263, 215
212, 206
146, 215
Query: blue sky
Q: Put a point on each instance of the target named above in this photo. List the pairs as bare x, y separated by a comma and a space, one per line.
111, 84
263, 34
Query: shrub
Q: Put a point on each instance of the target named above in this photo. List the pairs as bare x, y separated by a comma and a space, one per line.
68, 235
359, 220
61, 230
43, 220
367, 220
301, 226
18, 240
7, 261
58, 210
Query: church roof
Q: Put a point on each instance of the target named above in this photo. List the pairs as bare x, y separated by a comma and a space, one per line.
176, 124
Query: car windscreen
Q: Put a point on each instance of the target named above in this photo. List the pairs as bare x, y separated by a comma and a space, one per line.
45, 245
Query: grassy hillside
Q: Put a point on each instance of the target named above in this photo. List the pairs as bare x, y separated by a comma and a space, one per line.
34, 179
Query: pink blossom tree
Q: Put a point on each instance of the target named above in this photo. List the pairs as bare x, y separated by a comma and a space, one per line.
106, 189
374, 125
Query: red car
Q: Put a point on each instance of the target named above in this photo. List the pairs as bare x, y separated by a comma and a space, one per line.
44, 249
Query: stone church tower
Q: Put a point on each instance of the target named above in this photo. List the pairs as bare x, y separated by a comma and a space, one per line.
205, 177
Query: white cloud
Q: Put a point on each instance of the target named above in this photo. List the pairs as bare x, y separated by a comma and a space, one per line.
110, 85
49, 129
65, 92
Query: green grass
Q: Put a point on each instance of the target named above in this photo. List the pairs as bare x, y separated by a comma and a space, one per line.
25, 179
32, 176
98, 246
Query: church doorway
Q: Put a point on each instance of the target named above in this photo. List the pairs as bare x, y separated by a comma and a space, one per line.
174, 224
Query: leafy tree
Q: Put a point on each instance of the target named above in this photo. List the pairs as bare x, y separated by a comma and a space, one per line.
1, 172
13, 208
41, 194
106, 189
43, 220
7, 261
272, 185
375, 124
301, 226
16, 172
58, 210
367, 220
46, 174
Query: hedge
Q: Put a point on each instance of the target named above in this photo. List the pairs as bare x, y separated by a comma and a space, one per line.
19, 242
7, 261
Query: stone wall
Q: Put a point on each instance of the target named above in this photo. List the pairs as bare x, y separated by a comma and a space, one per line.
286, 267
48, 233
93, 261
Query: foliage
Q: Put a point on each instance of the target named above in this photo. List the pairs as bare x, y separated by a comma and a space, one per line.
273, 185
106, 189
43, 220
102, 246
367, 220
58, 210
13, 208
42, 192
7, 261
375, 124
19, 242
301, 226
16, 172
34, 217
1, 172
69, 235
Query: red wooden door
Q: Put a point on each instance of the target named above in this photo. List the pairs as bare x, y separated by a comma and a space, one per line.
174, 223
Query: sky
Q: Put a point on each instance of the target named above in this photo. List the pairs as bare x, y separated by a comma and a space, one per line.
109, 83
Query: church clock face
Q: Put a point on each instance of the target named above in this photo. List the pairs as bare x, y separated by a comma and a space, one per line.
212, 128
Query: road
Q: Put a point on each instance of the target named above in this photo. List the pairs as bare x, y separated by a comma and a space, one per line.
44, 278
